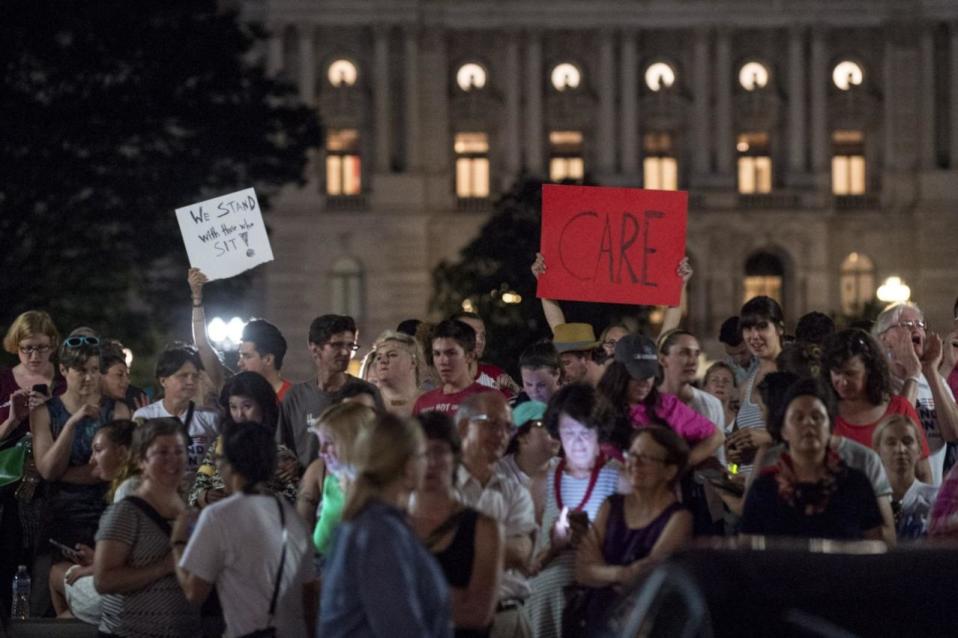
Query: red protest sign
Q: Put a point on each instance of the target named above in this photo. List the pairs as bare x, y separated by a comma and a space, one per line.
615, 245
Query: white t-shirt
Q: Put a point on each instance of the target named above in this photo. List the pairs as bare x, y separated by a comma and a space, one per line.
916, 507
236, 545
925, 405
204, 428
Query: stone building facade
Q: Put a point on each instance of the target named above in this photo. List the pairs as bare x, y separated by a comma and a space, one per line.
818, 140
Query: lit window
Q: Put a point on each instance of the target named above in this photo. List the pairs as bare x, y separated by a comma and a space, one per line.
565, 161
754, 163
752, 76
342, 73
566, 76
848, 163
858, 283
659, 167
764, 275
471, 76
343, 165
847, 74
659, 76
472, 165
346, 286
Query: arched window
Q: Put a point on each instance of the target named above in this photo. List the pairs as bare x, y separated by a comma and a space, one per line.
566, 76
847, 74
659, 76
858, 283
764, 275
346, 279
342, 73
471, 76
752, 76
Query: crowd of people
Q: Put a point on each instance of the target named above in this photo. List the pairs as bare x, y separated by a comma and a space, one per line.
432, 494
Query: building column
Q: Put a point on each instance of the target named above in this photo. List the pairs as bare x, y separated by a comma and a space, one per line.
411, 90
630, 112
436, 155
381, 97
890, 158
926, 148
606, 124
534, 103
274, 51
701, 71
796, 101
723, 104
819, 105
307, 64
953, 97
511, 142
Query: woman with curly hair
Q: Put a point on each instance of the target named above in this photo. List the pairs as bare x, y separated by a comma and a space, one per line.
852, 362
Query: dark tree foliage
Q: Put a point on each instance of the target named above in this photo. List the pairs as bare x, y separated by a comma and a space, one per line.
114, 114
497, 261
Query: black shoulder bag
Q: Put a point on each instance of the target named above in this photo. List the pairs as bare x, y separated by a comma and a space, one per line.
270, 631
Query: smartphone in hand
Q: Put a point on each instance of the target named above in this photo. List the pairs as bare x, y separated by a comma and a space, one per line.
68, 552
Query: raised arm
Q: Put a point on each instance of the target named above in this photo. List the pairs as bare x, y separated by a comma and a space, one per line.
945, 406
673, 314
551, 308
211, 362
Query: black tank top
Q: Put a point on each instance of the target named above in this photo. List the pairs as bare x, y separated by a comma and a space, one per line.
456, 559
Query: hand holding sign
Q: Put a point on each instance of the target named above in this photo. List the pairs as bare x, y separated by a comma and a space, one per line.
225, 236
612, 244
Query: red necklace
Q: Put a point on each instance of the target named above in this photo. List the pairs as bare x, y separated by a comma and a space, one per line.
593, 477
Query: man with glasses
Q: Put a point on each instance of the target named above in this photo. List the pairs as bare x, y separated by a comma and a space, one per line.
484, 425
331, 344
914, 356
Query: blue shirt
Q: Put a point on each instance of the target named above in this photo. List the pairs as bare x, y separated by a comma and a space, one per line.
379, 580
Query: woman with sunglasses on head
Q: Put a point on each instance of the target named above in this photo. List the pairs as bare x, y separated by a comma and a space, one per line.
178, 374
633, 532
63, 430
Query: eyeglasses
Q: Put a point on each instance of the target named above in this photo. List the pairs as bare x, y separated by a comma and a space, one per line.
80, 340
910, 325
29, 351
642, 459
352, 346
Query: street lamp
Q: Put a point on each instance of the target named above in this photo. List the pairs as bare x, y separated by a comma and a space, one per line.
225, 335
894, 290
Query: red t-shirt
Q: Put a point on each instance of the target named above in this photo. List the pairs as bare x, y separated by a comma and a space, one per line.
492, 376
446, 403
863, 433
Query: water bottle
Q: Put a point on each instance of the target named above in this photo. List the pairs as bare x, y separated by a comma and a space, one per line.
21, 594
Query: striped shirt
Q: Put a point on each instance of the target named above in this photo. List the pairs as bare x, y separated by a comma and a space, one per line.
544, 608
158, 610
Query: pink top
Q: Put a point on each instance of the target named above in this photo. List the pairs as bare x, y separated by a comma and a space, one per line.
689, 424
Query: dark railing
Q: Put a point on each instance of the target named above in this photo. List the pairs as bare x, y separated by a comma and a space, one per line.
856, 202
474, 204
751, 201
346, 203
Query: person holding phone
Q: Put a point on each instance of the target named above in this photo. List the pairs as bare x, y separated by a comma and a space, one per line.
575, 489
63, 429
33, 338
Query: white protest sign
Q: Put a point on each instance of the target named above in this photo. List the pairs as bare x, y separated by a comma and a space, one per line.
225, 236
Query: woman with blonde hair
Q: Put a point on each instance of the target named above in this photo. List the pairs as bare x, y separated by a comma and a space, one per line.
897, 440
399, 365
380, 580
331, 474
